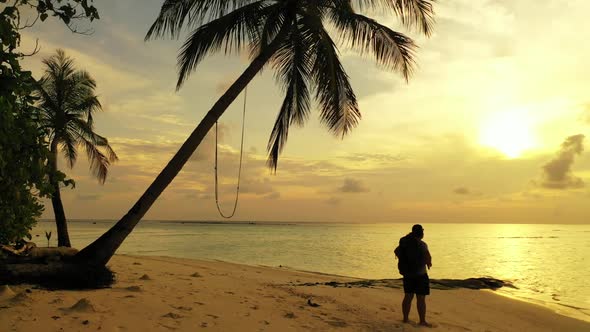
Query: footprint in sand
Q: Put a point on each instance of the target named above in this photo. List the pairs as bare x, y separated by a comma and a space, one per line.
133, 288
172, 328
20, 298
182, 308
337, 322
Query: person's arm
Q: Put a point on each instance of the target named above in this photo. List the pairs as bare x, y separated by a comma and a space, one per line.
428, 258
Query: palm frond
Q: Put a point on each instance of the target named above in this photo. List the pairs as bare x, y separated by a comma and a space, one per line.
58, 66
68, 147
275, 17
412, 13
47, 101
87, 106
338, 106
99, 163
78, 88
293, 62
85, 132
229, 32
391, 49
175, 13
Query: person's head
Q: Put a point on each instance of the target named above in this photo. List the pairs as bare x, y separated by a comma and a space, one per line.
418, 231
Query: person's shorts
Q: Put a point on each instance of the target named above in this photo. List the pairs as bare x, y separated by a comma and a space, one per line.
419, 285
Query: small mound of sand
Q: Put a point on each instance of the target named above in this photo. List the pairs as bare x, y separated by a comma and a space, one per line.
83, 305
145, 277
133, 288
172, 315
5, 292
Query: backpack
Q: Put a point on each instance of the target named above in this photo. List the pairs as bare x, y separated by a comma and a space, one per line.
410, 256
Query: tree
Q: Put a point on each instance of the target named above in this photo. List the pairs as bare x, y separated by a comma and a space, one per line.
292, 37
67, 102
23, 151
22, 167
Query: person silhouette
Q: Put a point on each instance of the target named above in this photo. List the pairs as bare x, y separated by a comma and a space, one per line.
414, 258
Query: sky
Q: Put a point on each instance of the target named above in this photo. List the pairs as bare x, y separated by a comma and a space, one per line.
491, 128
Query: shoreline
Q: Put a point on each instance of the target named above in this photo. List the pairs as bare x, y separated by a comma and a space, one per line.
571, 311
154, 293
558, 308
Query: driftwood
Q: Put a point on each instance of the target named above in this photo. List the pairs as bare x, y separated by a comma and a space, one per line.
8, 250
30, 253
52, 268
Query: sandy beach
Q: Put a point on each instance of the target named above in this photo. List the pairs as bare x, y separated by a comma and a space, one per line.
172, 294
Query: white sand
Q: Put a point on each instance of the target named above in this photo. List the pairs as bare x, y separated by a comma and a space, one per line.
171, 294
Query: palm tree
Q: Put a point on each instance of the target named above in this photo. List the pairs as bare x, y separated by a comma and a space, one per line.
291, 36
67, 102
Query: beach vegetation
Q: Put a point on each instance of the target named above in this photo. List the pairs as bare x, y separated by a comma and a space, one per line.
67, 102
24, 152
25, 170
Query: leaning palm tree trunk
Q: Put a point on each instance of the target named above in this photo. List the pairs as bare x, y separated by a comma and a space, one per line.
100, 251
63, 238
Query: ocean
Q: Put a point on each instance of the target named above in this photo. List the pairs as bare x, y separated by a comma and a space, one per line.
547, 263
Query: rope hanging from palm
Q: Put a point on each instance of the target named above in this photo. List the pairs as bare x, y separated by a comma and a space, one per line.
228, 216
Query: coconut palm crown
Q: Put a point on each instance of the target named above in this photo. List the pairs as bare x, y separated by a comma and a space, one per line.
305, 56
68, 102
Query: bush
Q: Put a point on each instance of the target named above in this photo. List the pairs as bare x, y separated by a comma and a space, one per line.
24, 172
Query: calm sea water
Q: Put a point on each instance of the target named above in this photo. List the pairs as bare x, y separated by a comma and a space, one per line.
548, 263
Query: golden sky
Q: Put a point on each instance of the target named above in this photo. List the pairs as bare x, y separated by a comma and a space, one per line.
489, 129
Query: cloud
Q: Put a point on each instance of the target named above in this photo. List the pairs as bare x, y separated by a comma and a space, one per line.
353, 186
273, 195
462, 191
466, 191
112, 78
557, 173
373, 157
257, 187
206, 150
586, 114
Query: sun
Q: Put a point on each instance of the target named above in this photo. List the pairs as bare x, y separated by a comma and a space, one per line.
509, 132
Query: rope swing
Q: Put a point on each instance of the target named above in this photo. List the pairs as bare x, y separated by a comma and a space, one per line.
239, 167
